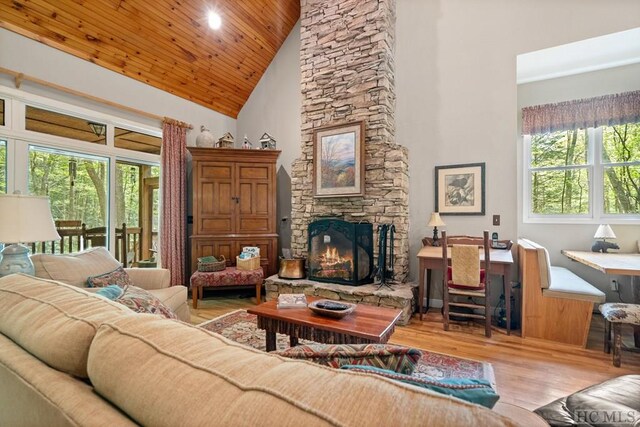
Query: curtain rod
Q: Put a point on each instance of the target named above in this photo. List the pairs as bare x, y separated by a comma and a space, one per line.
20, 77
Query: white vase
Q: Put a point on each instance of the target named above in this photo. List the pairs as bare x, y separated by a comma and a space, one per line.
205, 139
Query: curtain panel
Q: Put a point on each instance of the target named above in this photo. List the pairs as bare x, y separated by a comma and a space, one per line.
173, 222
605, 110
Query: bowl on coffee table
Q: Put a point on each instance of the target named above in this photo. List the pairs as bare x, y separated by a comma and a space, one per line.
329, 308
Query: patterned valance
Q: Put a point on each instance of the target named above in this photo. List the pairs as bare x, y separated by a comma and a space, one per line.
605, 110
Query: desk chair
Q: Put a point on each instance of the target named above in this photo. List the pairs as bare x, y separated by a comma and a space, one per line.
465, 278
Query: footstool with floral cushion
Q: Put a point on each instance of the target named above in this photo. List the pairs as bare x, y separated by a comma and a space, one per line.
228, 278
617, 314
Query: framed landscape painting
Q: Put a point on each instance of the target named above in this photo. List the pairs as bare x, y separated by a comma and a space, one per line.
460, 189
338, 160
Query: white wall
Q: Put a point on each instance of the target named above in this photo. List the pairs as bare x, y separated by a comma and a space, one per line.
275, 103
578, 236
35, 59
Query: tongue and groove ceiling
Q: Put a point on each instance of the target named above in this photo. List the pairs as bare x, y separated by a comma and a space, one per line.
165, 43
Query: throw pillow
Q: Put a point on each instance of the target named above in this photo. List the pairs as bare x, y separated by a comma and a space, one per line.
472, 390
116, 277
111, 292
142, 301
386, 356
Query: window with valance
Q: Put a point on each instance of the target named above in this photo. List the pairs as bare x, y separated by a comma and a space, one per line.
583, 158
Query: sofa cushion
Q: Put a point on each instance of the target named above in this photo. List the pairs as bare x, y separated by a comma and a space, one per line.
173, 297
53, 321
386, 356
567, 285
74, 269
116, 277
141, 301
231, 384
477, 391
34, 394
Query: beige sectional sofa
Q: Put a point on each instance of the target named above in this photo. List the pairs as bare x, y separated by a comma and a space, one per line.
74, 269
69, 357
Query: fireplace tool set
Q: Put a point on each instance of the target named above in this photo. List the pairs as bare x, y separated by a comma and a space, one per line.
384, 271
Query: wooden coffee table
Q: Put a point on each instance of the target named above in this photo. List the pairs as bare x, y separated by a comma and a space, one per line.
367, 324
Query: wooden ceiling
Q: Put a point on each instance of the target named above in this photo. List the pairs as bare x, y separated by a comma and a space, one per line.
166, 44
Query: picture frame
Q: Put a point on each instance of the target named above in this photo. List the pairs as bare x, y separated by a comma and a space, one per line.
460, 189
338, 160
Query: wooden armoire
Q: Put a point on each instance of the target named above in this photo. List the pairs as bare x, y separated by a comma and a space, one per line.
234, 204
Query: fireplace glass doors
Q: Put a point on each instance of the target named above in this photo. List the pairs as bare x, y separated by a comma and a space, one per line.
341, 252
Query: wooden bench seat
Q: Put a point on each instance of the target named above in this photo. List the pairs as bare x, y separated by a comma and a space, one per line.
556, 304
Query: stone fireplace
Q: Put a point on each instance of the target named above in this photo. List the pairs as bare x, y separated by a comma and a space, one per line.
348, 75
340, 252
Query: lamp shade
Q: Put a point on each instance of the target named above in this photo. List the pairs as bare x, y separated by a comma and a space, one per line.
604, 232
435, 220
26, 219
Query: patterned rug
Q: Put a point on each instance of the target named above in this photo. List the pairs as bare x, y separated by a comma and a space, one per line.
241, 327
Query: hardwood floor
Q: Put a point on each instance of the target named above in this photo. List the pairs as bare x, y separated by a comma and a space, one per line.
529, 373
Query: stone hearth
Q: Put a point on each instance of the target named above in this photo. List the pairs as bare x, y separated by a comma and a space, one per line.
402, 296
347, 67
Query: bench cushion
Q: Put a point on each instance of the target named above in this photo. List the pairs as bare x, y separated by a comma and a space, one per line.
565, 284
543, 261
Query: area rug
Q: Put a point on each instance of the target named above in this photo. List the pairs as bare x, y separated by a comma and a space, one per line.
241, 327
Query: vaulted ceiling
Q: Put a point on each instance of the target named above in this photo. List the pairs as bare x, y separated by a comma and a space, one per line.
165, 43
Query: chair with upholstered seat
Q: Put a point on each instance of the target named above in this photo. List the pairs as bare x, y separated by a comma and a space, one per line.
616, 314
465, 278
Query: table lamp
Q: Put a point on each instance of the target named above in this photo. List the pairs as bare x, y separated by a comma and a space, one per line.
25, 219
604, 232
435, 222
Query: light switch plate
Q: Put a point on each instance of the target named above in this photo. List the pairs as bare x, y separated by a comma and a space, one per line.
496, 220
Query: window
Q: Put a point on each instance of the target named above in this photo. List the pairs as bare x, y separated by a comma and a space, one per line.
3, 166
589, 173
49, 122
1, 112
77, 185
137, 141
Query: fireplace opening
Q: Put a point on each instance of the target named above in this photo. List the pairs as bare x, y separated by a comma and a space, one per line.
341, 252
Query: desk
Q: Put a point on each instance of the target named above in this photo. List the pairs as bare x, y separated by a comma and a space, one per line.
430, 258
613, 263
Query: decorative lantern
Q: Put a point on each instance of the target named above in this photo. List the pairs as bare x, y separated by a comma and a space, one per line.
267, 142
226, 141
205, 139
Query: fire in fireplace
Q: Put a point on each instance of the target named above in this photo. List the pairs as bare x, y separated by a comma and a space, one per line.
341, 252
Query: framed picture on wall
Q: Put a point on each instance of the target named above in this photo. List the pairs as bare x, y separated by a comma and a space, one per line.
338, 160
460, 189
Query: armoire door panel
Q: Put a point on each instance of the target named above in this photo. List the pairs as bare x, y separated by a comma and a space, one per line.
216, 224
216, 171
245, 205
253, 172
261, 200
254, 224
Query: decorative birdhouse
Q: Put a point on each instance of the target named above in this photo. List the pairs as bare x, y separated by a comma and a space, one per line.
226, 141
267, 142
246, 144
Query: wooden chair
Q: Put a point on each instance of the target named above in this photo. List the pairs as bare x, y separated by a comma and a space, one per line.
473, 281
70, 231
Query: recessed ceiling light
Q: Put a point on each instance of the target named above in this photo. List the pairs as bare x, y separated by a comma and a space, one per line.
214, 20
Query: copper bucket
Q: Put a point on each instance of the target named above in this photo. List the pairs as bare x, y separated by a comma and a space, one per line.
293, 268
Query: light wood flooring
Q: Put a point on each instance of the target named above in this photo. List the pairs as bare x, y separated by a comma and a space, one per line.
529, 373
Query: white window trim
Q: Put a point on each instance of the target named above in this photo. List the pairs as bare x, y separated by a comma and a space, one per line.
19, 139
596, 192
